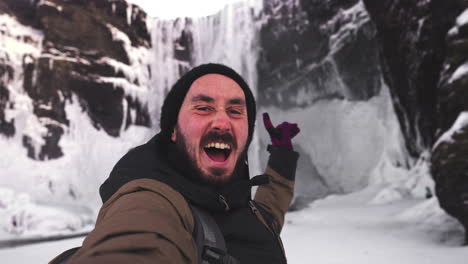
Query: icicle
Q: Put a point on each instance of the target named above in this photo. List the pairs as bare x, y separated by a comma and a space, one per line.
129, 14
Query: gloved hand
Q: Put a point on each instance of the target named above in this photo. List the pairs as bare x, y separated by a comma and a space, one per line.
282, 134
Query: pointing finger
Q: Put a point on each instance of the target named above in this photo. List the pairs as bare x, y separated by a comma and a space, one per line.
267, 121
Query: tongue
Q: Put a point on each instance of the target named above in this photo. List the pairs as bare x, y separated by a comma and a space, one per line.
216, 155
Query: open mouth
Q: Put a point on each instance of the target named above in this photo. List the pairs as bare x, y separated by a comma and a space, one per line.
217, 151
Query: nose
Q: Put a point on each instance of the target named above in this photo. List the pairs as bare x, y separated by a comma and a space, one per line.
221, 122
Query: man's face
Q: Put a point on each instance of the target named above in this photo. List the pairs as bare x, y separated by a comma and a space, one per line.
213, 125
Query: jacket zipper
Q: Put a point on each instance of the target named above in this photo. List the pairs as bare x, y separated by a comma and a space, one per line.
273, 229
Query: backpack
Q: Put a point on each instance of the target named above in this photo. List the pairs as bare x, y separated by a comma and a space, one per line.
211, 247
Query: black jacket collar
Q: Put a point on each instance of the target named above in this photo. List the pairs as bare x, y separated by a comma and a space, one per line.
152, 161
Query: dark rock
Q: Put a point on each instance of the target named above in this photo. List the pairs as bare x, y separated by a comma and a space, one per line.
308, 63
450, 159
412, 45
29, 145
184, 43
51, 149
452, 93
78, 35
140, 115
356, 64
102, 101
7, 127
23, 10
450, 172
28, 72
90, 31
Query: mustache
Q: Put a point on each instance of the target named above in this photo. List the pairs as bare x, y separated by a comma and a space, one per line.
216, 136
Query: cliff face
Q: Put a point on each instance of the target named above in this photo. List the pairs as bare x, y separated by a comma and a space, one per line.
450, 154
84, 52
423, 46
306, 45
412, 44
320, 60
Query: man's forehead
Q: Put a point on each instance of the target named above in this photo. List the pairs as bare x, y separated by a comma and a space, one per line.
215, 86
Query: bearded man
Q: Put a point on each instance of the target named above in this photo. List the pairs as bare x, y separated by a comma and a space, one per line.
199, 159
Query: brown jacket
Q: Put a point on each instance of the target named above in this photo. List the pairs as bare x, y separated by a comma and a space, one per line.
147, 221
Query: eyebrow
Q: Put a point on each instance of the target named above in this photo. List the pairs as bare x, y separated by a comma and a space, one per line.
236, 101
208, 99
202, 98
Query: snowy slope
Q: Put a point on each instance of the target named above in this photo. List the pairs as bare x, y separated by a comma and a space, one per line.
339, 230
347, 229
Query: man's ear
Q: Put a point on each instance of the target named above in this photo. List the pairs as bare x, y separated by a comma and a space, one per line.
173, 135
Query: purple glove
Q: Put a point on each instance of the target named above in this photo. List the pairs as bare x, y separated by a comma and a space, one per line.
281, 135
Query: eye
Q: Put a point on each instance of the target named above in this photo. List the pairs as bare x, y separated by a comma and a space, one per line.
203, 109
235, 112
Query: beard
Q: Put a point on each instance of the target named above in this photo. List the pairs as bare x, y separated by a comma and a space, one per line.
194, 172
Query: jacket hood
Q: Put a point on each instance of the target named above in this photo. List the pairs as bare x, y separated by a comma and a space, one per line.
151, 161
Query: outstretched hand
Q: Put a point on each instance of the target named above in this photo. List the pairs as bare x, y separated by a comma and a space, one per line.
282, 134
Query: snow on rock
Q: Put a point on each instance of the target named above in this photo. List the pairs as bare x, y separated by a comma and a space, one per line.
460, 123
57, 7
352, 19
136, 72
462, 19
460, 72
20, 45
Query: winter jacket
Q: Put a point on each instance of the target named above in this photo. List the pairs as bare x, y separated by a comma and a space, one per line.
146, 216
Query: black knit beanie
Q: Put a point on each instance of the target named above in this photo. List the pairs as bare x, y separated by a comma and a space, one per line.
175, 97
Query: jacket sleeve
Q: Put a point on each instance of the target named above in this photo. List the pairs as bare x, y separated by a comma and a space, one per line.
275, 197
141, 225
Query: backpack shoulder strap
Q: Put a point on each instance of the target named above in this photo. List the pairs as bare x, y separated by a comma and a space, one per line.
211, 246
63, 258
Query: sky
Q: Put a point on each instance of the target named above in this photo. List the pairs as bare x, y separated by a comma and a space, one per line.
181, 8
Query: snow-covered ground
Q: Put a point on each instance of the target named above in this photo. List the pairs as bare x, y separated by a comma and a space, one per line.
339, 230
348, 229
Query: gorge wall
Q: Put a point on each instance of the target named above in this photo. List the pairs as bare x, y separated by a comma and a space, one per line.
83, 81
423, 46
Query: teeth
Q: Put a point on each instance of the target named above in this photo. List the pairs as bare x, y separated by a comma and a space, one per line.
218, 145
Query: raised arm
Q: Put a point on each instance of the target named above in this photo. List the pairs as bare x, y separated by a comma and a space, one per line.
276, 196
